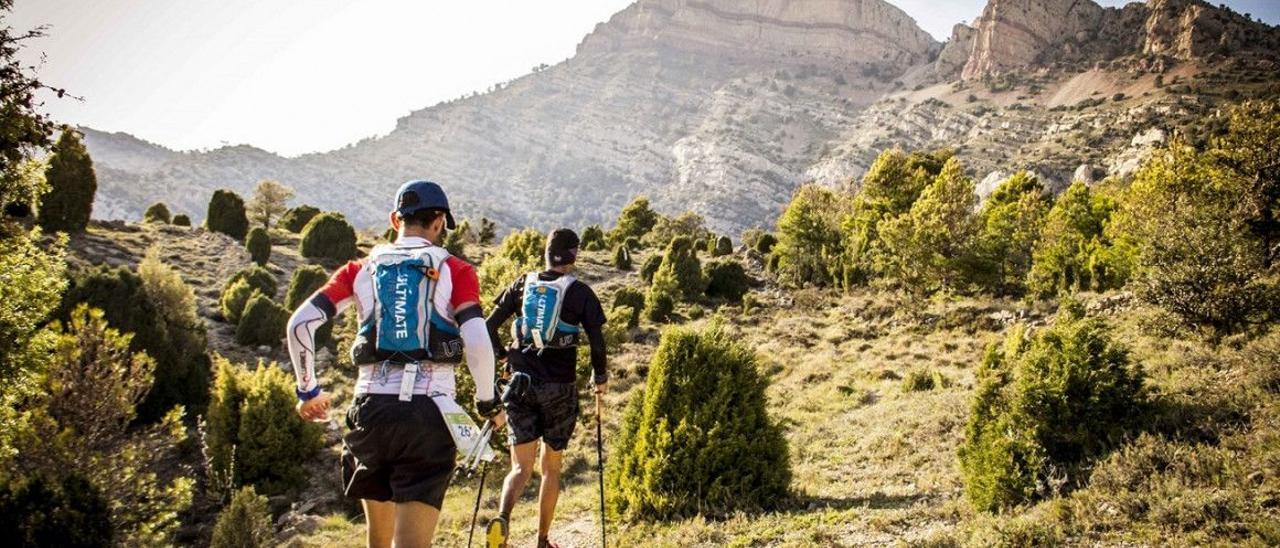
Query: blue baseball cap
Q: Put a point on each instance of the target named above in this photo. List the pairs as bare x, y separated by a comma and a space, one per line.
415, 196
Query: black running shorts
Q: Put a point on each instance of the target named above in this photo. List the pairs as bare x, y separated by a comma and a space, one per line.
396, 451
549, 410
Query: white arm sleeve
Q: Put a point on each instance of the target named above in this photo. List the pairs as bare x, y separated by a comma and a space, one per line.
479, 352
302, 343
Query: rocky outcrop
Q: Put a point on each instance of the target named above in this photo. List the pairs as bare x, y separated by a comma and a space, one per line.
955, 53
843, 31
1015, 33
1189, 29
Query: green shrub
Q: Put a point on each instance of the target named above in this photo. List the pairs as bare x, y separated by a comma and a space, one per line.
635, 221
296, 219
159, 310
487, 231
628, 296
274, 443
525, 248
726, 279
496, 274
68, 511
257, 277
617, 329
455, 241
688, 225
658, 305
245, 523
306, 280
924, 380
622, 258
181, 220
724, 246
252, 433
699, 439
85, 422
234, 299
258, 244
328, 236
262, 322
227, 214
650, 267
157, 213
1196, 254
1044, 409
681, 270
593, 239
68, 203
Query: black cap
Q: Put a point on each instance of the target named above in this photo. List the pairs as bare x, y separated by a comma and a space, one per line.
562, 247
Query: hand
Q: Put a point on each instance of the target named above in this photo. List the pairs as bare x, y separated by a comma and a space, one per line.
315, 409
499, 420
602, 388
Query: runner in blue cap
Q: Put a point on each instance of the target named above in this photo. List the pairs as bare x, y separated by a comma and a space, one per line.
419, 315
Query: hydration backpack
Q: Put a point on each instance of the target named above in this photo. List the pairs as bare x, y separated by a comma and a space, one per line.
539, 322
404, 325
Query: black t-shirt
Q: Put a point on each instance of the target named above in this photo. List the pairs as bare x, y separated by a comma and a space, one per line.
581, 307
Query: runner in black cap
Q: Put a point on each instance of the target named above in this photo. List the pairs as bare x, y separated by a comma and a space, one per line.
553, 310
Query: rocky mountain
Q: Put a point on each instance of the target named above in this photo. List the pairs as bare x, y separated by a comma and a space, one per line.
724, 107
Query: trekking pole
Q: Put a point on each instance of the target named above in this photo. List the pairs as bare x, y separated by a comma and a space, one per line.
600, 468
469, 464
484, 469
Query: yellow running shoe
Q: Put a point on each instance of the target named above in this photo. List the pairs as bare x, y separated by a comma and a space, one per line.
495, 535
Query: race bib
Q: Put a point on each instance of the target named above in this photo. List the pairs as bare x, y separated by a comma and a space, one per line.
466, 435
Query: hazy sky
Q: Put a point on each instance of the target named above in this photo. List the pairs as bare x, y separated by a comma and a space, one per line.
295, 76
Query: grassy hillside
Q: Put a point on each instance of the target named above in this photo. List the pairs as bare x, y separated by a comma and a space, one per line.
874, 461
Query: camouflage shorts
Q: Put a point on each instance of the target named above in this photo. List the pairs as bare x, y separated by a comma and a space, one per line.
548, 410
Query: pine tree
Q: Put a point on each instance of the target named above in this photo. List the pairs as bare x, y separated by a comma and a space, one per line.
268, 202
227, 214
1009, 226
809, 245
68, 203
181, 220
635, 221
928, 246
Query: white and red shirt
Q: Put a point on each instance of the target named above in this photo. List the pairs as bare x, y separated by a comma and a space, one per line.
352, 284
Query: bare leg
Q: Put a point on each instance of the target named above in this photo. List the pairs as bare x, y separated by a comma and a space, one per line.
549, 490
415, 524
381, 520
521, 469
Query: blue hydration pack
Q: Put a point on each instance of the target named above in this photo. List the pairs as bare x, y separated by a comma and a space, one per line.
539, 325
404, 325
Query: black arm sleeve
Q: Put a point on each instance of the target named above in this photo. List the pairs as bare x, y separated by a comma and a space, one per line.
593, 320
504, 307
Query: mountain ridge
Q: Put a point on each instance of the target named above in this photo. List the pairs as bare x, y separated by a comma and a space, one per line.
711, 106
